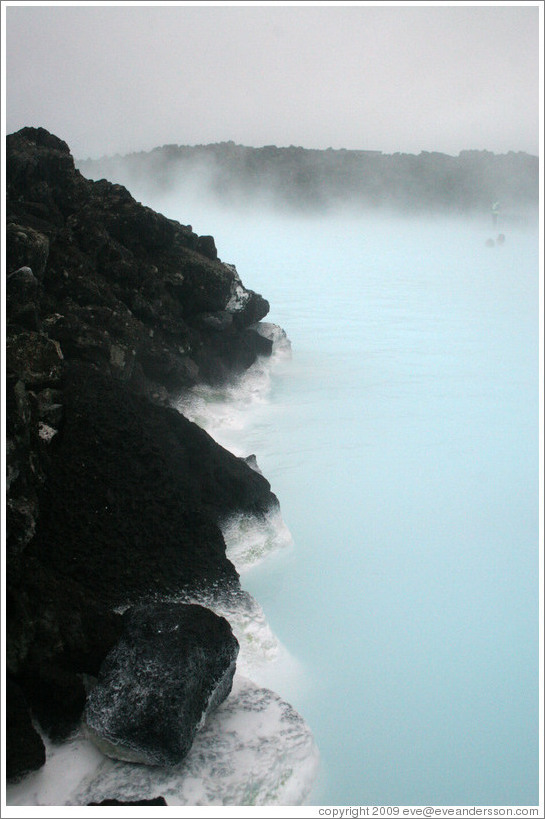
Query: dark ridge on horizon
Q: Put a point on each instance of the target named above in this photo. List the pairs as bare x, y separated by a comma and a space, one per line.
315, 179
232, 144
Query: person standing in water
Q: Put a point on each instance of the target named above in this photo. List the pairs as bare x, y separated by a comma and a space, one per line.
495, 213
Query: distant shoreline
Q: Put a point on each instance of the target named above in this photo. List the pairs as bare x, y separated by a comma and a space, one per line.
304, 179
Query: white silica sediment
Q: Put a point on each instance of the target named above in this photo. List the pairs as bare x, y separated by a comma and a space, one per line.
250, 538
262, 657
239, 295
255, 749
226, 412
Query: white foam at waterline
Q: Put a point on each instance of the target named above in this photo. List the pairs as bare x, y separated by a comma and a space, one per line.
250, 538
262, 658
258, 644
224, 412
255, 749
281, 348
67, 765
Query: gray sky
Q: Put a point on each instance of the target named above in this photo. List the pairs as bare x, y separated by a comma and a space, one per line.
378, 77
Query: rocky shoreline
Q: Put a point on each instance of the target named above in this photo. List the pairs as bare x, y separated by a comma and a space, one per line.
114, 499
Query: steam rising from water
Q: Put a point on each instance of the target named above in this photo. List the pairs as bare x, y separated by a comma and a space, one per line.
403, 446
401, 440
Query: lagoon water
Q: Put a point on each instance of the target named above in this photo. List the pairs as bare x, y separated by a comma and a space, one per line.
402, 441
401, 438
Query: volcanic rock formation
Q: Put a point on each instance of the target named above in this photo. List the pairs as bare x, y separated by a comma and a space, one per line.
112, 495
173, 665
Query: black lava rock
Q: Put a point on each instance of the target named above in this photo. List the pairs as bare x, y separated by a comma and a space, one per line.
25, 750
112, 495
158, 801
173, 665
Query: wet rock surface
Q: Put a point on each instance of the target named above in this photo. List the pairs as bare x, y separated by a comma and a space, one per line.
112, 496
173, 665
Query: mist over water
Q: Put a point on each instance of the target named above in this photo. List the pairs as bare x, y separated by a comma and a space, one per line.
402, 442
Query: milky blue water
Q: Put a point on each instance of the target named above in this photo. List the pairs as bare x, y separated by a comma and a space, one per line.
402, 442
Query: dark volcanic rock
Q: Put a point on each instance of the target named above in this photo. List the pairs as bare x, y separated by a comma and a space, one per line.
91, 245
174, 664
22, 286
158, 801
112, 496
207, 247
144, 478
25, 750
34, 358
27, 247
57, 696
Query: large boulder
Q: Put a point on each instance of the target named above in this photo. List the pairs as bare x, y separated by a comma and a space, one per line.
255, 749
173, 665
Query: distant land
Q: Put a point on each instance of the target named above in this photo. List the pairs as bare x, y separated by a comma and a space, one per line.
323, 180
